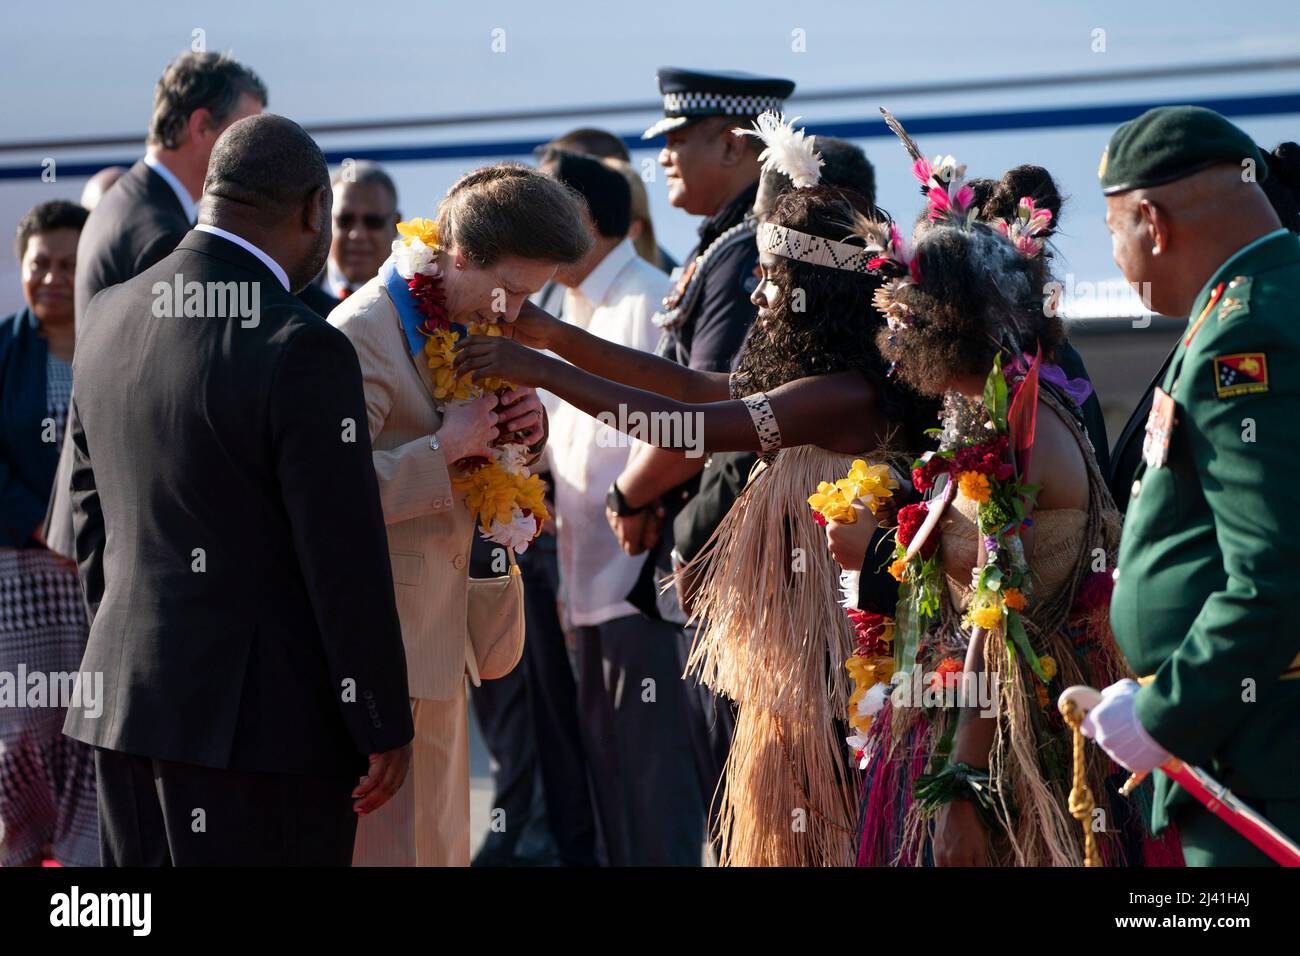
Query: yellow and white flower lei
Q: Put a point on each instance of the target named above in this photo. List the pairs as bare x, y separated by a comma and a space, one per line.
505, 499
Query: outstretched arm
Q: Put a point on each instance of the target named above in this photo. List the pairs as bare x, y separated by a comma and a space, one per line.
634, 367
825, 410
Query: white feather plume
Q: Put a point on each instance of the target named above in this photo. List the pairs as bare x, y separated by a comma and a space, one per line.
788, 151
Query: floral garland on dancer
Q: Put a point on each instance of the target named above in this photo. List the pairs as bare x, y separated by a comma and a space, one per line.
505, 499
1031, 641
975, 452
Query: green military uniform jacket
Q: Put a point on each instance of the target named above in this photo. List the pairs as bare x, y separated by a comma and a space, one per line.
1207, 596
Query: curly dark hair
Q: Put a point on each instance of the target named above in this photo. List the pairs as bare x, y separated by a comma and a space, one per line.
825, 321
998, 198
977, 297
977, 294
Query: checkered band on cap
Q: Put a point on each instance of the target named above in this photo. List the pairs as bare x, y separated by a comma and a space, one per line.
719, 104
802, 247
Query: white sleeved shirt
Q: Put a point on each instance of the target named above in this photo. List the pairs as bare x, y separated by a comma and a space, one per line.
183, 196
616, 302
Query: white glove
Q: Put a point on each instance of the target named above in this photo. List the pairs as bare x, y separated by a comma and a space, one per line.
1114, 724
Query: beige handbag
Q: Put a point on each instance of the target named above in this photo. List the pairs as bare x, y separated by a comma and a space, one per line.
496, 624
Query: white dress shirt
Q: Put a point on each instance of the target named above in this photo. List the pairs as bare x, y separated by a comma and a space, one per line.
245, 244
182, 194
336, 283
616, 302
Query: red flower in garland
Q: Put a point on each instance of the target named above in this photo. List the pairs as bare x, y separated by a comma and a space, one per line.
924, 476
430, 301
988, 458
947, 674
910, 519
819, 518
870, 630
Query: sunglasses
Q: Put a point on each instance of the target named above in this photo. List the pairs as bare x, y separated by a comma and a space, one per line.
371, 221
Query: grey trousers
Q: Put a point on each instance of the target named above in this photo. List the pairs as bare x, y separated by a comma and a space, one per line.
635, 724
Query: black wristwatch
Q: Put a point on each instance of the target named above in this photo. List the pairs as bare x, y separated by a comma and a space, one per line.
616, 503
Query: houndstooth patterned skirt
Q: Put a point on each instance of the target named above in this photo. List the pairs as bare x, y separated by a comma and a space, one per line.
47, 780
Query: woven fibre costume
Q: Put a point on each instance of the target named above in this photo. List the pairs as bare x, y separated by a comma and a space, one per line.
774, 639
1030, 759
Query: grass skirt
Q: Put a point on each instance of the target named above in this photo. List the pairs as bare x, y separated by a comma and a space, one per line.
774, 638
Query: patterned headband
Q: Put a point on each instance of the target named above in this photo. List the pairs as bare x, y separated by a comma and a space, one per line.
802, 247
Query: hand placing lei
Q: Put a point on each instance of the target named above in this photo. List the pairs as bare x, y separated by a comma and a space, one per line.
506, 501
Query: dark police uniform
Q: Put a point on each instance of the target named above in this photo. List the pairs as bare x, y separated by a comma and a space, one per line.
1204, 591
704, 321
707, 315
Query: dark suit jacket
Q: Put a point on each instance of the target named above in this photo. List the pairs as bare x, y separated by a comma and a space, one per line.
137, 223
229, 532
318, 300
26, 462
1128, 447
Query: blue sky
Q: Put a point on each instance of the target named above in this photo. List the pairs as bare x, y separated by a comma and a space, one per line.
73, 69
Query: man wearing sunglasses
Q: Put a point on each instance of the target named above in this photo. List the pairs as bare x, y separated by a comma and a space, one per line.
365, 225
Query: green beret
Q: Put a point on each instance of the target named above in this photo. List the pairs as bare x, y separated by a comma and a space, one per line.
1170, 142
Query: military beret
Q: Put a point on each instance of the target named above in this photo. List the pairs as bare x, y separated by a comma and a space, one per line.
691, 95
1170, 142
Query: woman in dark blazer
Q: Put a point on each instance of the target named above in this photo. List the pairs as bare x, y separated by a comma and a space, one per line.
47, 782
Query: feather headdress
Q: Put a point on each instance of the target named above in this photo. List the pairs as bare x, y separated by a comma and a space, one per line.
943, 181
949, 199
787, 151
792, 153
891, 255
1028, 231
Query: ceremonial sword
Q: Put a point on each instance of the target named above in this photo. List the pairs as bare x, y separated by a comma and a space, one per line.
1216, 798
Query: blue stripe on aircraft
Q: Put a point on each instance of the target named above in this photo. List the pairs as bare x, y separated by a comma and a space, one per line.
1057, 117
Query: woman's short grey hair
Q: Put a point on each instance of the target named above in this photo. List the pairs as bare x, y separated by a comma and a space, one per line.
194, 81
510, 209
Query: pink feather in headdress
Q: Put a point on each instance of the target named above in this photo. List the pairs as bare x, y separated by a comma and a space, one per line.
1028, 231
923, 172
949, 198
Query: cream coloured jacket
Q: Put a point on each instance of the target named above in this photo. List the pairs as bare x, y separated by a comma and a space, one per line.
429, 528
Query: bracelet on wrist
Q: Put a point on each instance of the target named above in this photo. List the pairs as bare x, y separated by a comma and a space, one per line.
958, 781
616, 503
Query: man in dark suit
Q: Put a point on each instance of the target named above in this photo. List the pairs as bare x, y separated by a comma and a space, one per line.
153, 205
318, 300
243, 619
142, 218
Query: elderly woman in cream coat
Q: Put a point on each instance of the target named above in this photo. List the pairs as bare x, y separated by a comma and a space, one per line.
503, 229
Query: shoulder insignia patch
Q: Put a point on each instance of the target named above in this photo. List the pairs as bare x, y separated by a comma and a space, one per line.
1236, 300
1242, 374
